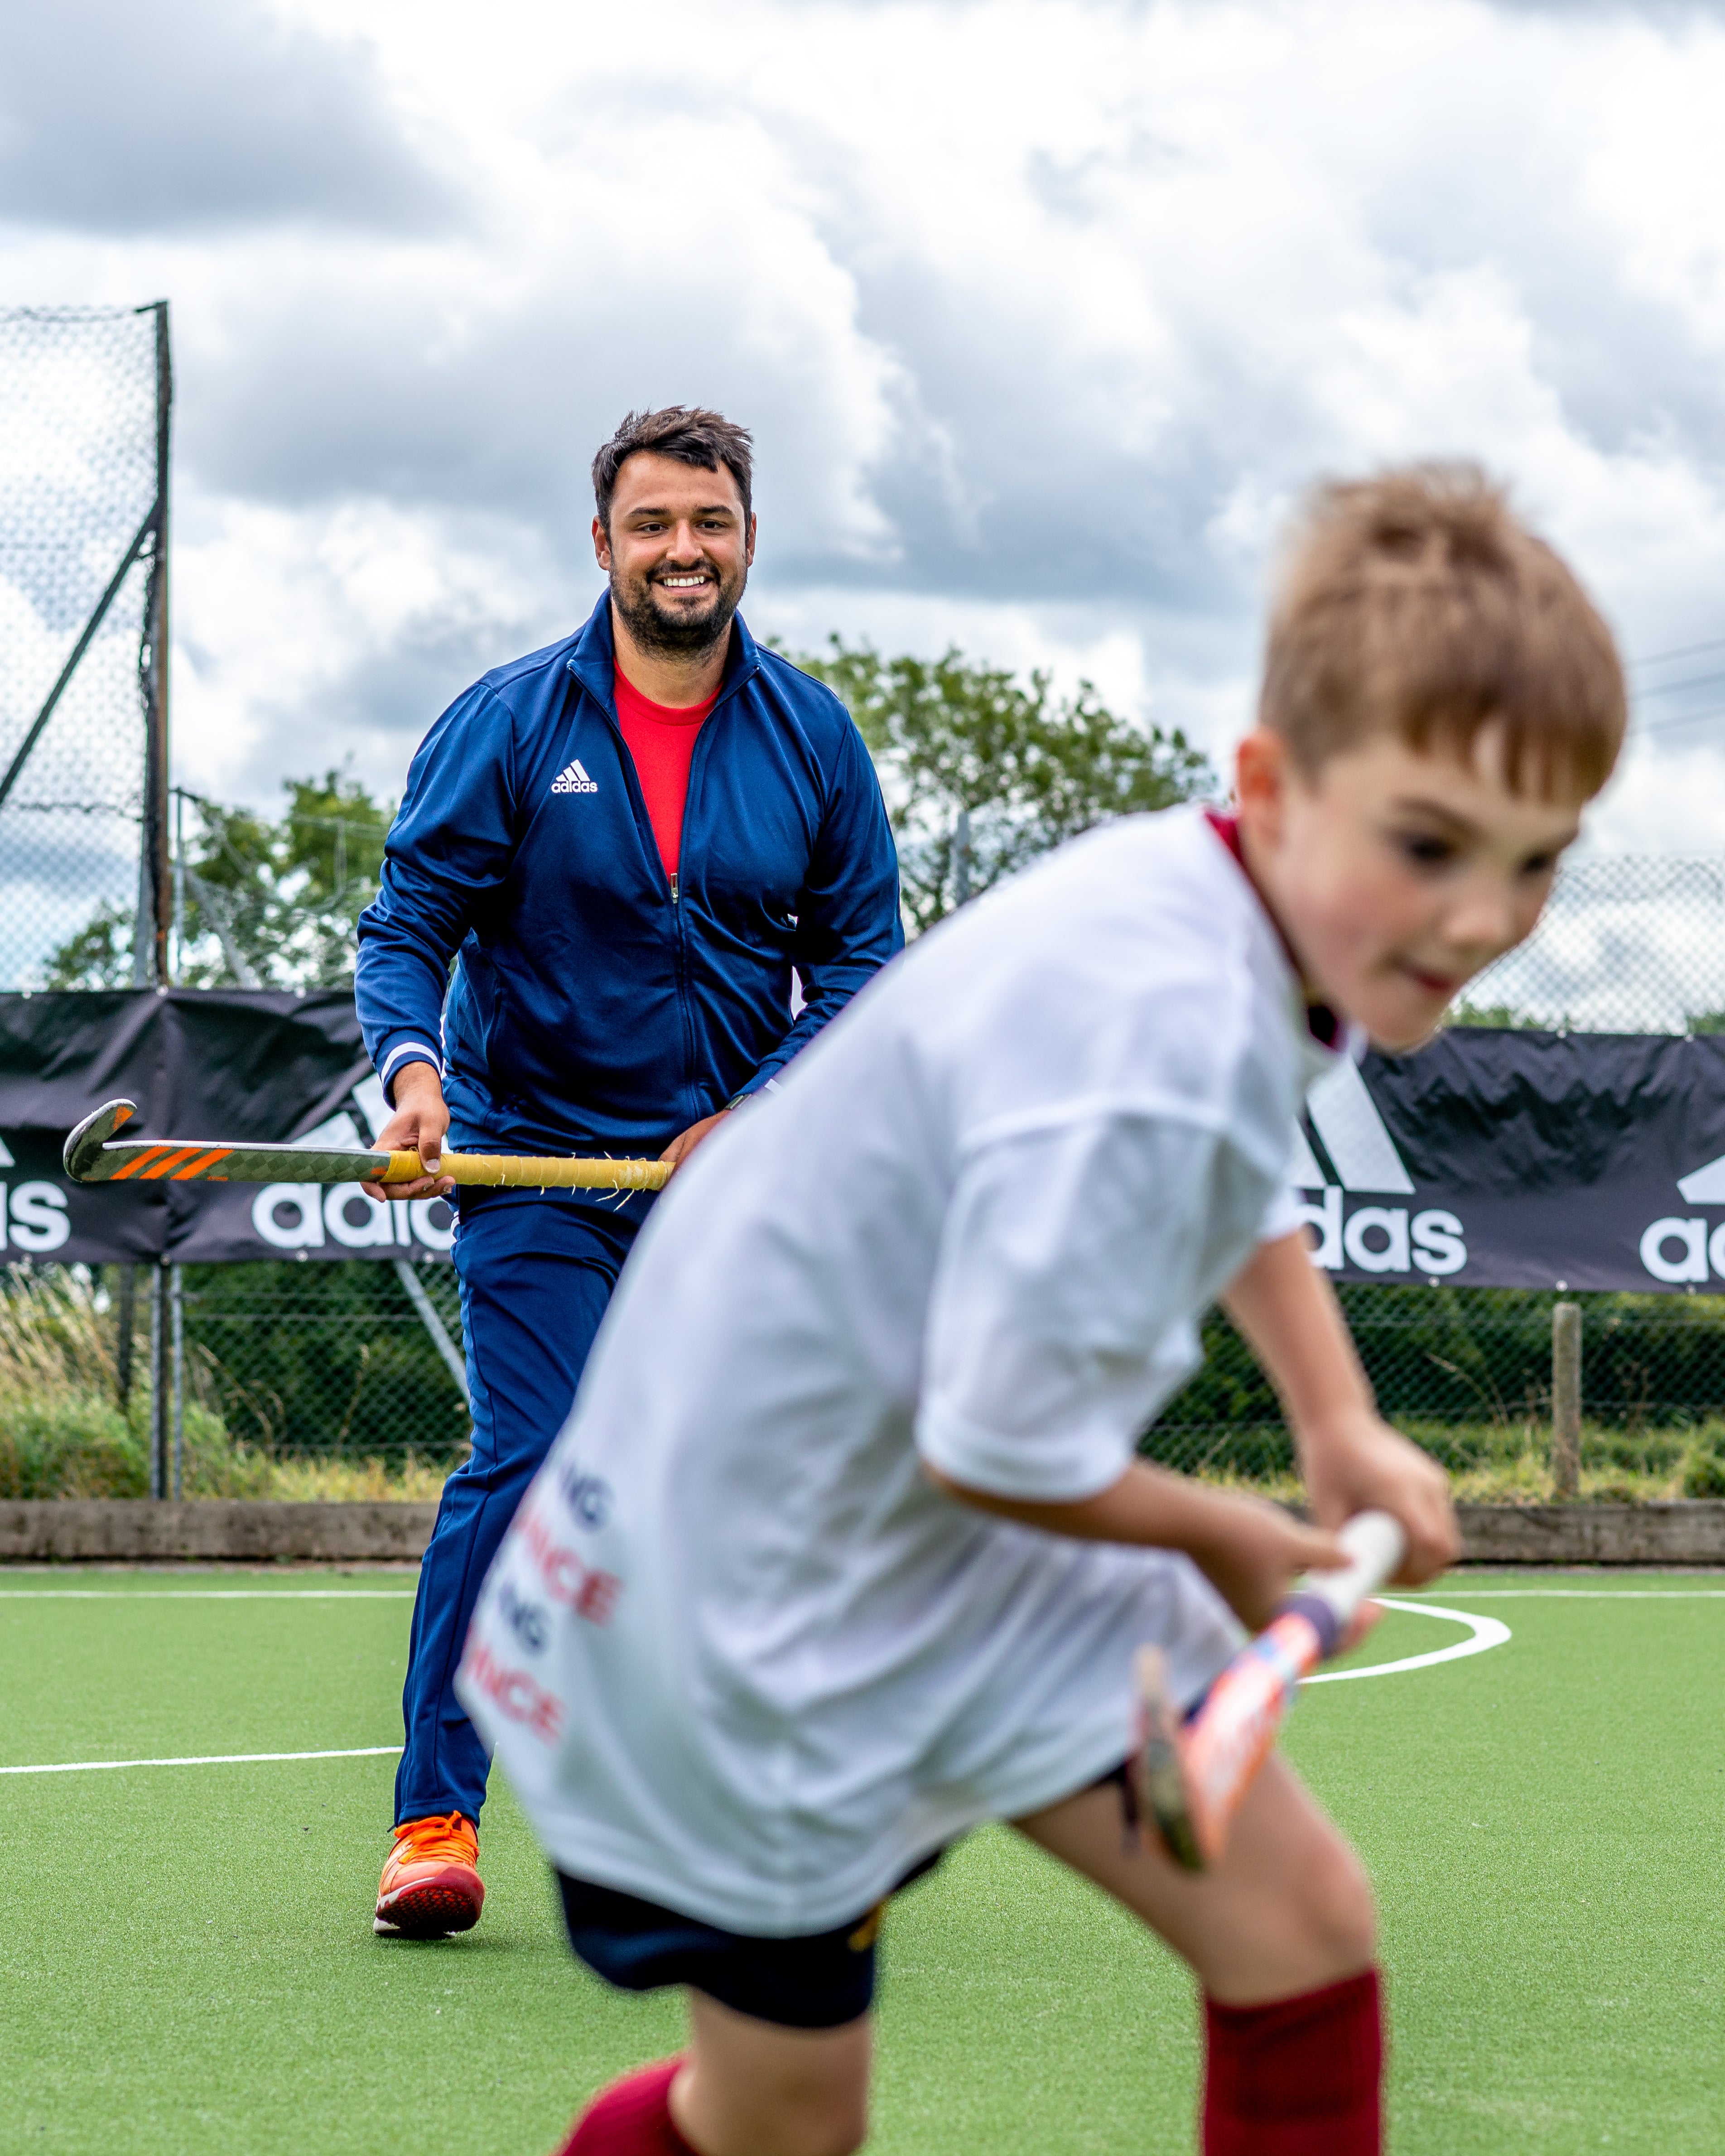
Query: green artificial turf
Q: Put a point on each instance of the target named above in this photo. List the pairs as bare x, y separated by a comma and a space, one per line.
187, 1965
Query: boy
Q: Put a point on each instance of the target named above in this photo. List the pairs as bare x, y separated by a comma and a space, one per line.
846, 1547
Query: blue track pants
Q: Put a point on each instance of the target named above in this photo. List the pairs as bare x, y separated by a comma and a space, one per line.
529, 1319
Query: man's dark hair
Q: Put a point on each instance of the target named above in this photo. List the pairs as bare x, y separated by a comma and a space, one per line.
691, 435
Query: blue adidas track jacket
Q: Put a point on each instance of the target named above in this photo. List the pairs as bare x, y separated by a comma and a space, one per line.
595, 1006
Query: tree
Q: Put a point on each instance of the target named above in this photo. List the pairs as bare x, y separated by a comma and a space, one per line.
276, 902
982, 773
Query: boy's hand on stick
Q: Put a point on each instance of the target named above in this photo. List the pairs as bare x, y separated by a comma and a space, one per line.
419, 1124
1252, 1552
1358, 1463
1353, 1460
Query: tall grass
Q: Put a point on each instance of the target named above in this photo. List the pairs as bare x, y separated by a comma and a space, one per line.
63, 1433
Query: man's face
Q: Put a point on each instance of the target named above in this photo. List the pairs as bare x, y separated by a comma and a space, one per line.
677, 553
1397, 875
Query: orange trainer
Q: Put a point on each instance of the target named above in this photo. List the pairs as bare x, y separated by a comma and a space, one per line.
430, 1886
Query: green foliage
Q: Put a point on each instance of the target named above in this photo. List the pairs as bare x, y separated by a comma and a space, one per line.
304, 1361
99, 956
86, 1448
1467, 1373
78, 1448
1501, 1016
282, 897
967, 747
1704, 1466
287, 894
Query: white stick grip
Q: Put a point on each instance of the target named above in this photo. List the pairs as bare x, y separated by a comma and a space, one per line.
1374, 1542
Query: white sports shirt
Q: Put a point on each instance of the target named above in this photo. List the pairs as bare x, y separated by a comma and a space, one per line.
737, 1654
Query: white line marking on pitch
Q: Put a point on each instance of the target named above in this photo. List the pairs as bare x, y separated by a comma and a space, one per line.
1484, 1634
207, 1594
1583, 1595
213, 1759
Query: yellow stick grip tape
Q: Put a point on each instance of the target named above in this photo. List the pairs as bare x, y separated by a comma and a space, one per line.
533, 1172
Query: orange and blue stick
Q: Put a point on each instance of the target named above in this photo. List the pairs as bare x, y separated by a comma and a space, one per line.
1192, 1776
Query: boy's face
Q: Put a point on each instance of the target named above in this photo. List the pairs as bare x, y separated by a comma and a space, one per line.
1397, 876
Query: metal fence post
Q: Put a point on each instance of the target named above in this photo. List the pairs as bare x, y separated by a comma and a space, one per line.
1565, 1397
158, 1380
434, 1325
126, 1318
153, 682
177, 1308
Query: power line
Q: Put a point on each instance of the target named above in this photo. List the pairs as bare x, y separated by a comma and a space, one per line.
1676, 688
1686, 719
1682, 651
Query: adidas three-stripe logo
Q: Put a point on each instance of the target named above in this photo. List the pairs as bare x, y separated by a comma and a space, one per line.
574, 780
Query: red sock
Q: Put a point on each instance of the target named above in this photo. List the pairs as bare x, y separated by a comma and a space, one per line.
1298, 2077
632, 2117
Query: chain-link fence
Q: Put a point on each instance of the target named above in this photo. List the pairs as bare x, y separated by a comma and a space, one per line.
324, 1381
1467, 1372
84, 397
295, 1381
1633, 944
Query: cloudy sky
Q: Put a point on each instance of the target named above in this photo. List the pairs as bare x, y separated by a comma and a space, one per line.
1043, 312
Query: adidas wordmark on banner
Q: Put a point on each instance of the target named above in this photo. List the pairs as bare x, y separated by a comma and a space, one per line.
574, 780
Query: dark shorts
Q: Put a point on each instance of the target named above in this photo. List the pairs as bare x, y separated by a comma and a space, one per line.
818, 1981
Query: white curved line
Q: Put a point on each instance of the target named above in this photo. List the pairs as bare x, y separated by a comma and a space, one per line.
1484, 1633
212, 1760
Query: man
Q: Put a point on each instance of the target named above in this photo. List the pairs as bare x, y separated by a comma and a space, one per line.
625, 843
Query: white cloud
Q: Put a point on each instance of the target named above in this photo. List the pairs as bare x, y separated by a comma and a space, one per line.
1043, 311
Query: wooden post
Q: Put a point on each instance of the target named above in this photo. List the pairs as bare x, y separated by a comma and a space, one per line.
1565, 1397
176, 1379
159, 1360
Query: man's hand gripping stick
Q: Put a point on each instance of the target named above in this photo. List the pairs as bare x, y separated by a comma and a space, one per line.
1190, 1778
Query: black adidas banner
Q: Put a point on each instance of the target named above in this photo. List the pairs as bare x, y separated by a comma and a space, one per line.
1518, 1159
1489, 1159
218, 1063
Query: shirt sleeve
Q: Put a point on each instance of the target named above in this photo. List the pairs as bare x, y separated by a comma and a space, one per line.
1070, 1268
1281, 1216
848, 921
450, 847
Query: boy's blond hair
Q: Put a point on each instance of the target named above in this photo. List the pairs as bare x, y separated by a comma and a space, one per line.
1417, 603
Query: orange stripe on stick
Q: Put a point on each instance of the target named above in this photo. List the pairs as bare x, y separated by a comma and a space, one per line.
138, 1162
208, 1156
157, 1169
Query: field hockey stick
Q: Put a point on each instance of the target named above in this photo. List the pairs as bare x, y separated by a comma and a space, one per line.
1190, 1778
90, 1156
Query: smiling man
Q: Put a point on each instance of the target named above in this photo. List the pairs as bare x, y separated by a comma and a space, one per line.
611, 857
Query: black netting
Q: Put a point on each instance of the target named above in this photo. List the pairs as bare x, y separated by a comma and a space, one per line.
79, 466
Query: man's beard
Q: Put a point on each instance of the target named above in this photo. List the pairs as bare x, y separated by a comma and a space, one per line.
685, 633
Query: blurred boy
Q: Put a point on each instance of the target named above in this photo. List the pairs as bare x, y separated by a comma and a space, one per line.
846, 1547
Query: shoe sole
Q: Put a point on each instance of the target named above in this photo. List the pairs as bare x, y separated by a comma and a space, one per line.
432, 1908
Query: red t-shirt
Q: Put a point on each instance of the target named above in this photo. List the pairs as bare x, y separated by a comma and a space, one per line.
661, 740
